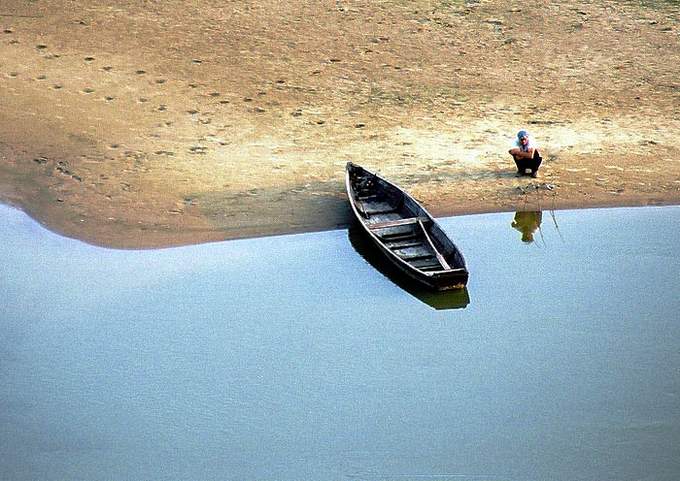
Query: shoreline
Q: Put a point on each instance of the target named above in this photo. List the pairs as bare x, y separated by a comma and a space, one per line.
144, 240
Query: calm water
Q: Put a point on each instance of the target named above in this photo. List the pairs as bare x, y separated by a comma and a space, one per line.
292, 358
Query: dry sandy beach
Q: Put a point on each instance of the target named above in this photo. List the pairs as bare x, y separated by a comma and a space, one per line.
140, 124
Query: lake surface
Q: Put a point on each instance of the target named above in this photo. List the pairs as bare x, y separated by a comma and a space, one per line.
292, 358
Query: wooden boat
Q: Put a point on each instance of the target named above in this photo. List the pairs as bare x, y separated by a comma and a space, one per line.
404, 231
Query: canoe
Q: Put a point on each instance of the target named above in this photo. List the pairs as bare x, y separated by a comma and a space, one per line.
404, 231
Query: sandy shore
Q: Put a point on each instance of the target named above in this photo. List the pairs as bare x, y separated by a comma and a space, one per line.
136, 124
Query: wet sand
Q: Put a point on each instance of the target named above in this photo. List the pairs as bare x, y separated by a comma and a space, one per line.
129, 124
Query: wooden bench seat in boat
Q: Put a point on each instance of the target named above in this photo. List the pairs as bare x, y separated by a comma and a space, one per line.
403, 244
393, 223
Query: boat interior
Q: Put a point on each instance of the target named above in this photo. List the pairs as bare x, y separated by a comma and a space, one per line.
400, 224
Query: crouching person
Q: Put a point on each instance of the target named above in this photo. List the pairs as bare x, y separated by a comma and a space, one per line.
525, 154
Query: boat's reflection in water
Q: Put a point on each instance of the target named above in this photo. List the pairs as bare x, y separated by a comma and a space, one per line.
455, 299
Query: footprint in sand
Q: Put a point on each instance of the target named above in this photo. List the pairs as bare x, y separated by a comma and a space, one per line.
214, 94
13, 74
197, 149
8, 30
160, 81
140, 72
109, 98
41, 77
41, 46
88, 90
114, 146
57, 86
142, 100
89, 59
107, 68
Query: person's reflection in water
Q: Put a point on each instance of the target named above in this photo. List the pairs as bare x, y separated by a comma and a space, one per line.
527, 223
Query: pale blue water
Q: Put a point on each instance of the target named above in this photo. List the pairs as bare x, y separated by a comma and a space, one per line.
291, 358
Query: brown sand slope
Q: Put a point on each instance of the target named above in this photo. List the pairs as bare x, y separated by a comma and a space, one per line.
137, 124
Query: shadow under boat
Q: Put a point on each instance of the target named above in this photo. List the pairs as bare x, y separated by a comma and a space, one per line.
440, 300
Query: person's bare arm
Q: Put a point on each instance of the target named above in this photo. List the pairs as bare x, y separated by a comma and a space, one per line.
517, 152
